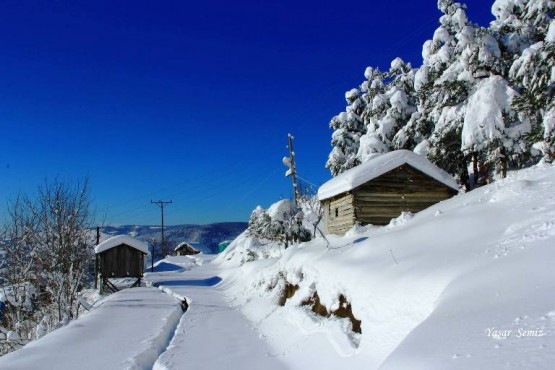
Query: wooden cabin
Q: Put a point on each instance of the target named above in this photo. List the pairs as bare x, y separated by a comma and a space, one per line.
185, 249
120, 256
381, 189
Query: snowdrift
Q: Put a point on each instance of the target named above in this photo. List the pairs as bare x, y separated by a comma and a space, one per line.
465, 284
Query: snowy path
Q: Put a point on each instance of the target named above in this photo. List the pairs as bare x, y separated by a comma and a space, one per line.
127, 330
211, 334
145, 328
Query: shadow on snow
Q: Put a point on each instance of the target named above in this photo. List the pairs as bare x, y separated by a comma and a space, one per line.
199, 282
166, 267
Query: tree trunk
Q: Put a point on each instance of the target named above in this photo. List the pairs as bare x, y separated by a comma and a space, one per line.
475, 173
503, 162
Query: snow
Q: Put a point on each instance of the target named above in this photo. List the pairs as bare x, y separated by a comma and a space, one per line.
484, 120
550, 37
211, 334
460, 18
500, 8
489, 51
127, 330
549, 123
442, 35
397, 64
121, 239
279, 210
370, 147
377, 166
521, 66
190, 244
465, 284
369, 73
422, 148
352, 94
421, 77
398, 100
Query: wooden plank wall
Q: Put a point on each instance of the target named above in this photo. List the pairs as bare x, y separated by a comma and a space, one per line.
121, 261
339, 214
402, 189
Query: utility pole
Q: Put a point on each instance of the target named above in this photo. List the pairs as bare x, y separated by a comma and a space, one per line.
293, 170
96, 258
161, 204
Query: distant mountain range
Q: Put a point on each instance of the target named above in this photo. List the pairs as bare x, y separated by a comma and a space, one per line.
207, 236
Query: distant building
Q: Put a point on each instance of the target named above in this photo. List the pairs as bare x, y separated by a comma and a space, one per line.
381, 189
185, 249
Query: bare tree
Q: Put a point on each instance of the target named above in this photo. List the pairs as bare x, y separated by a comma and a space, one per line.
311, 206
46, 247
64, 221
18, 280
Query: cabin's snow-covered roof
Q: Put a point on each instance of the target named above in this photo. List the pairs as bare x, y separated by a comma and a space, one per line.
379, 165
121, 239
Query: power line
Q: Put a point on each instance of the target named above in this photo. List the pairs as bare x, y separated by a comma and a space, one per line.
213, 194
131, 212
254, 188
305, 180
236, 175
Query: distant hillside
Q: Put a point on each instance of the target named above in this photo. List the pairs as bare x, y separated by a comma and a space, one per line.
208, 236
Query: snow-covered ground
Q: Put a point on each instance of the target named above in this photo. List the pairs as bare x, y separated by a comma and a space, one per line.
465, 284
211, 334
145, 328
127, 330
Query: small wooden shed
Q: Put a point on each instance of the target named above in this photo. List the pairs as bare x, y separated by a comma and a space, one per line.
185, 249
121, 256
381, 189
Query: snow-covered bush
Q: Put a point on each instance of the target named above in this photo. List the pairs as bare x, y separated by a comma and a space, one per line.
271, 231
282, 222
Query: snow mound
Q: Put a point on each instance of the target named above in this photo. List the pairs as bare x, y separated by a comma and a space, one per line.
278, 210
464, 284
121, 239
379, 165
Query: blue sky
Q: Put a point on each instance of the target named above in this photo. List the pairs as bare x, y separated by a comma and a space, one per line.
189, 101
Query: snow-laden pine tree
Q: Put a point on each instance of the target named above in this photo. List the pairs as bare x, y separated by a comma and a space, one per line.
534, 74
483, 95
489, 128
443, 84
389, 110
348, 127
510, 26
473, 119
491, 132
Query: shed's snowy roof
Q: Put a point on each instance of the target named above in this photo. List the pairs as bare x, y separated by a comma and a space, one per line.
377, 166
121, 239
